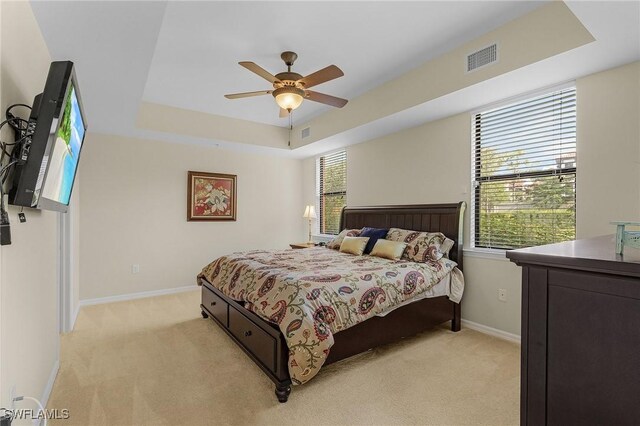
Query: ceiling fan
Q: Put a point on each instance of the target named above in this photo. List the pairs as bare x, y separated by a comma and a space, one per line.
290, 88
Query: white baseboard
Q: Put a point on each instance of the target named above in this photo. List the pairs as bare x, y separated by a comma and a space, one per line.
46, 393
74, 317
140, 295
491, 331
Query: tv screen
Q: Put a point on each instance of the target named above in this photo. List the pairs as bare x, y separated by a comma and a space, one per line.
63, 161
51, 152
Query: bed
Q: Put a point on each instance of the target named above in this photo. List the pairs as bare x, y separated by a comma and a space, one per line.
290, 340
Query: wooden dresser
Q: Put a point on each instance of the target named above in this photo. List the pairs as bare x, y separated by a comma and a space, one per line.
580, 333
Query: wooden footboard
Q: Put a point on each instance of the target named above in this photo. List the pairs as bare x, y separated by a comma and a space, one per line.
265, 344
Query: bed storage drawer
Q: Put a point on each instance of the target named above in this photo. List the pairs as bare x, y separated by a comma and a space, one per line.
254, 338
215, 305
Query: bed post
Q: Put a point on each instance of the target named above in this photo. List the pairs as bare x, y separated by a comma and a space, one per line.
462, 206
455, 322
283, 389
457, 311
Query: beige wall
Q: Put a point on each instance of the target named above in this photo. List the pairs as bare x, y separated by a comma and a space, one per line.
608, 149
432, 164
133, 202
168, 119
29, 338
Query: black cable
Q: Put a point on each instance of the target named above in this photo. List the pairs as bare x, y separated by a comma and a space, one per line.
20, 127
10, 107
3, 145
11, 119
19, 130
3, 211
12, 155
7, 112
2, 155
16, 125
4, 150
5, 168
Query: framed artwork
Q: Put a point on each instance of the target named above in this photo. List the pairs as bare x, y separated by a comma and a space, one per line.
211, 196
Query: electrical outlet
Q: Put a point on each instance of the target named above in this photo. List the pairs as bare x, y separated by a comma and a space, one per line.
135, 269
502, 294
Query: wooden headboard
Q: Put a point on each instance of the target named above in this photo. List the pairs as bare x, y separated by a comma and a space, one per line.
445, 218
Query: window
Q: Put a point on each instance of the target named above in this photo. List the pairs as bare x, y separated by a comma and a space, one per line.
331, 175
525, 172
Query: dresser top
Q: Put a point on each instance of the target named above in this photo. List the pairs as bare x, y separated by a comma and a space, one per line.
592, 254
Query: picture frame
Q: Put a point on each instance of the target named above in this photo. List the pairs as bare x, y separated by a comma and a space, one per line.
211, 196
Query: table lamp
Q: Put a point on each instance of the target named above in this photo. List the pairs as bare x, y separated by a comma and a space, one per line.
310, 213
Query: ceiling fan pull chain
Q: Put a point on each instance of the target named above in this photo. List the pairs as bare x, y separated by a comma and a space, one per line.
290, 126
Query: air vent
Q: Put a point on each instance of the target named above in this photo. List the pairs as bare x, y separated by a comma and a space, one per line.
306, 132
482, 57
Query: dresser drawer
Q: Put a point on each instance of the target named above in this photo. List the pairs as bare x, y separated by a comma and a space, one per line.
215, 306
254, 338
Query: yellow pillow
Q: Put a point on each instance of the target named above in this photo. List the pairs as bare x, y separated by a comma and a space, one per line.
389, 249
354, 245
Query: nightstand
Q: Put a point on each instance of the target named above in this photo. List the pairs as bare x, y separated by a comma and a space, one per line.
301, 245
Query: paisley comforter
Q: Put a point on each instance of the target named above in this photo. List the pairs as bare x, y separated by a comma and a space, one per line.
316, 292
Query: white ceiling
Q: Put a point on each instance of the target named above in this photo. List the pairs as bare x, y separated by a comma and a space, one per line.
185, 54
200, 44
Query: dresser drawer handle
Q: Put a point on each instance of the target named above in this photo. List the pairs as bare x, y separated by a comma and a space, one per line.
213, 303
247, 333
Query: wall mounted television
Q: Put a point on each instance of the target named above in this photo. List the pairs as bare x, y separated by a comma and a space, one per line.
51, 151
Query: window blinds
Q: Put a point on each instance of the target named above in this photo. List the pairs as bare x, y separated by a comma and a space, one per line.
332, 190
525, 172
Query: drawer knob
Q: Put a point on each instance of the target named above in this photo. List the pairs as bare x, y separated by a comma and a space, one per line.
247, 333
213, 303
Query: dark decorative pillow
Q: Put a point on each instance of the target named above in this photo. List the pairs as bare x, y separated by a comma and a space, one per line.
374, 235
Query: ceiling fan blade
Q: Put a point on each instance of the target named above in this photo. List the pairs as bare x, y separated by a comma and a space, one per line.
248, 94
283, 113
260, 71
325, 99
325, 74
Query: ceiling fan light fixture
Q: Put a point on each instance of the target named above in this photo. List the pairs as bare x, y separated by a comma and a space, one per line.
290, 88
288, 97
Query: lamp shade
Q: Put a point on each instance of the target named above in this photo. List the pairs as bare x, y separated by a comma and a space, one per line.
310, 212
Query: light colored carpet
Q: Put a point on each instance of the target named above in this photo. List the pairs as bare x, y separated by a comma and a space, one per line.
156, 361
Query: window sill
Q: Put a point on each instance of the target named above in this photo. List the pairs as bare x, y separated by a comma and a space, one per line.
481, 253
